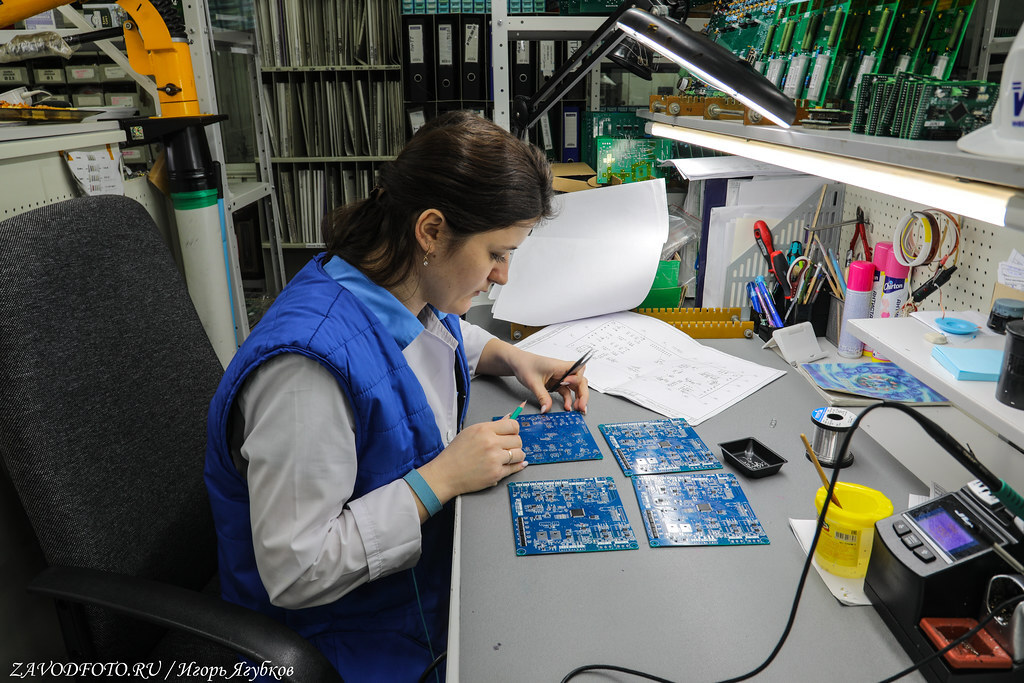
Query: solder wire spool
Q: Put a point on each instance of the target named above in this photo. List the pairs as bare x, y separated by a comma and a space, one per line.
830, 426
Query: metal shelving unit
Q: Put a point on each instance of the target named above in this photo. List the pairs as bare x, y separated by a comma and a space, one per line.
506, 28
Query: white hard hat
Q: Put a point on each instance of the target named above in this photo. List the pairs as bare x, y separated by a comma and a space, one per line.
1004, 137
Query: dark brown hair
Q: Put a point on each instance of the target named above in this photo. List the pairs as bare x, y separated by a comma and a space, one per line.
473, 171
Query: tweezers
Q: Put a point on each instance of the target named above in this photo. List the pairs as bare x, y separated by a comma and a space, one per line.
575, 366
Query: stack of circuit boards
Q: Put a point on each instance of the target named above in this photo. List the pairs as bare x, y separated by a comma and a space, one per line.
916, 107
681, 503
818, 50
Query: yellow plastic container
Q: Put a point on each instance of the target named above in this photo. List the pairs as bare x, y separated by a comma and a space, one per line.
844, 546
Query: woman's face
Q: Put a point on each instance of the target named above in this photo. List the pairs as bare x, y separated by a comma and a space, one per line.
456, 275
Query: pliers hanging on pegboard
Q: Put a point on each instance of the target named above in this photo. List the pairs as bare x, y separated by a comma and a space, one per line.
861, 232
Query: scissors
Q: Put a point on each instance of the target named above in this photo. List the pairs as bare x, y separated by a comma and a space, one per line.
798, 275
575, 366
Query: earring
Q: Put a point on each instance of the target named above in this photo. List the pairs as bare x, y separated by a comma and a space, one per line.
425, 262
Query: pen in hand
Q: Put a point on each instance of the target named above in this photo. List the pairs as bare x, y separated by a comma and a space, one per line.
519, 409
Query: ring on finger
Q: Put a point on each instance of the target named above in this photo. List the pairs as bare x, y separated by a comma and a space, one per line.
509, 457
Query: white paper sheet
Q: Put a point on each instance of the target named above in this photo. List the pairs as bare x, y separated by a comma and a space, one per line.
653, 364
846, 590
598, 255
725, 167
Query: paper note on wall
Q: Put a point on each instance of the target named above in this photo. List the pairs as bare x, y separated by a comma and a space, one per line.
598, 255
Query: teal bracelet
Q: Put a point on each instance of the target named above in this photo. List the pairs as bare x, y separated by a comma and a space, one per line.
423, 491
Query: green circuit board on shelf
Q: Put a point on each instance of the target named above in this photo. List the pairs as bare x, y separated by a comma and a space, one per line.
906, 36
697, 509
945, 34
568, 516
742, 26
949, 109
866, 37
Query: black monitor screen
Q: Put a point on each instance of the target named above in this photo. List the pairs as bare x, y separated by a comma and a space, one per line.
946, 532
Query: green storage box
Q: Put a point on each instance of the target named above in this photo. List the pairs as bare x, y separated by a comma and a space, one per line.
666, 291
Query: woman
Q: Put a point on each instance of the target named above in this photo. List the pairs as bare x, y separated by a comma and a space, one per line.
334, 437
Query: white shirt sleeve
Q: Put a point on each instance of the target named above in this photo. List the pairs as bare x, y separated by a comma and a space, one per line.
313, 543
474, 338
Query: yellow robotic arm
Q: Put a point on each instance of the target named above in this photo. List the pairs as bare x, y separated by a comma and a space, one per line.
154, 39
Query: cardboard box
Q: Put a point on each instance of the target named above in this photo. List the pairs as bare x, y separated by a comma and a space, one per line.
572, 177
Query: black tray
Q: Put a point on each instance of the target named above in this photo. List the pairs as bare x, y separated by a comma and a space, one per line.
752, 458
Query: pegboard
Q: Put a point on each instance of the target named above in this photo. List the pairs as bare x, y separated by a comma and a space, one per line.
982, 247
32, 182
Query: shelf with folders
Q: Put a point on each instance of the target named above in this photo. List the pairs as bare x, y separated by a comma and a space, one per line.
328, 32
309, 190
446, 65
332, 83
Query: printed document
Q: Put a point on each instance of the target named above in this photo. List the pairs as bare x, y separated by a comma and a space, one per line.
653, 364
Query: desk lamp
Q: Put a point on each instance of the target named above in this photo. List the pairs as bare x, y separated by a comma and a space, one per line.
647, 22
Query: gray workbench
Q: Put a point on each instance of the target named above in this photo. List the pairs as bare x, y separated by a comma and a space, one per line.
682, 613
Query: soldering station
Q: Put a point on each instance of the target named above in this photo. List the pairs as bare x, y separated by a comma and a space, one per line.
837, 171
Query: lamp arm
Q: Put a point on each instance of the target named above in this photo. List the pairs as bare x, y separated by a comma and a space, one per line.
526, 111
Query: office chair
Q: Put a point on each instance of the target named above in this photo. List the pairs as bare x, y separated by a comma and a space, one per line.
105, 380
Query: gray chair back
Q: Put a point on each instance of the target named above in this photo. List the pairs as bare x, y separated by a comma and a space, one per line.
105, 380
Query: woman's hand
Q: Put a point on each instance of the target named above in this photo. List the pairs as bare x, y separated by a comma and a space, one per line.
535, 373
478, 457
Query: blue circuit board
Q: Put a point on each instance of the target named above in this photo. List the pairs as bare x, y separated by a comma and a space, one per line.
657, 447
568, 516
697, 509
556, 437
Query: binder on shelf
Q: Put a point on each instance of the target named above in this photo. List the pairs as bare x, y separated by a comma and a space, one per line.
447, 51
418, 55
473, 57
524, 68
570, 133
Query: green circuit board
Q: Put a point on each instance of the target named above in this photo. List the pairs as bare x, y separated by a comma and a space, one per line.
945, 34
865, 39
742, 26
949, 109
907, 35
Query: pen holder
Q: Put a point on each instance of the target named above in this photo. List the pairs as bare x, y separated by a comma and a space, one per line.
818, 312
834, 322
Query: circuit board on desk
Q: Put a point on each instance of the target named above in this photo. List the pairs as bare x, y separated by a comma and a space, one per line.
568, 516
556, 437
697, 509
658, 447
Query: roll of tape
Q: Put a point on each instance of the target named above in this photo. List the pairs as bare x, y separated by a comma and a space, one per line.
904, 243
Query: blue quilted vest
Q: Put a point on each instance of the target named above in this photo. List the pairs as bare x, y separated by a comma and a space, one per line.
379, 631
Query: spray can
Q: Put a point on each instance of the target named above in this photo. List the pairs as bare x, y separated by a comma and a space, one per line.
879, 257
894, 288
857, 305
